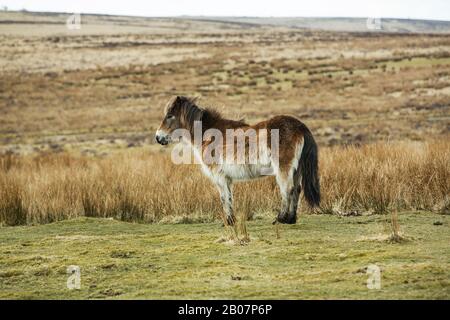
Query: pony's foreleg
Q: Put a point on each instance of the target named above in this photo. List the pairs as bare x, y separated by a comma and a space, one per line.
224, 185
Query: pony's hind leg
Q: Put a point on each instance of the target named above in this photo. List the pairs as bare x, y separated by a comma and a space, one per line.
288, 179
295, 195
285, 184
295, 190
224, 184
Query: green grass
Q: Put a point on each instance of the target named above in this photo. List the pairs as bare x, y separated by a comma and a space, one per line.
321, 257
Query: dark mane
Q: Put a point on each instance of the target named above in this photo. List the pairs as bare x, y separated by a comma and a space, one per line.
188, 111
211, 118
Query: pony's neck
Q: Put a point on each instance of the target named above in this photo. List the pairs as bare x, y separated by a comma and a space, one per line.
210, 119
213, 120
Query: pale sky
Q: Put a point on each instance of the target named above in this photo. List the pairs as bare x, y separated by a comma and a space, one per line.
414, 9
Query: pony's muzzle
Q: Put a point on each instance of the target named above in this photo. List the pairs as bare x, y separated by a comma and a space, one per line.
162, 139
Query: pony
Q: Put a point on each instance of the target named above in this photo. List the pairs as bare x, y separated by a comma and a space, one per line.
294, 163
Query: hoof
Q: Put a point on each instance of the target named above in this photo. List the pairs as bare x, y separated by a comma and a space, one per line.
282, 217
285, 219
231, 220
291, 221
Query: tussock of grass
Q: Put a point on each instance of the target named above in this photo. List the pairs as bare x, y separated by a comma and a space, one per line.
142, 187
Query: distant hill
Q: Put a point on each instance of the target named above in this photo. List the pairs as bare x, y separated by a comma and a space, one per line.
211, 24
344, 24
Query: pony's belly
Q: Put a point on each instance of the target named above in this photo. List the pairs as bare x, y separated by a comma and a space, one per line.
245, 171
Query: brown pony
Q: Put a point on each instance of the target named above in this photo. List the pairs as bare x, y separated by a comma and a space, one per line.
294, 163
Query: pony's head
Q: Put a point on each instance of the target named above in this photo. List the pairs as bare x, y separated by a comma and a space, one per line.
180, 113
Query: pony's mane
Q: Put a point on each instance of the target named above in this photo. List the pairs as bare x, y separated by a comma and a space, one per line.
214, 118
210, 117
189, 111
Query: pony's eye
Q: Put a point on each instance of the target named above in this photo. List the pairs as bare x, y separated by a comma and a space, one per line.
170, 117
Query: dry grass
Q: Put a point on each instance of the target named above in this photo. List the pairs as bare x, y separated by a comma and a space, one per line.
381, 177
395, 228
147, 187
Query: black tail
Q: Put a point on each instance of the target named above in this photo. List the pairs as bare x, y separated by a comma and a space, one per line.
309, 170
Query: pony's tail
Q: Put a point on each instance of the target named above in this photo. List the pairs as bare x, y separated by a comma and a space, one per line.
309, 170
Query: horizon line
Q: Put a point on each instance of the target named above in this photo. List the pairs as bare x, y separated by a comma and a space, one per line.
226, 16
